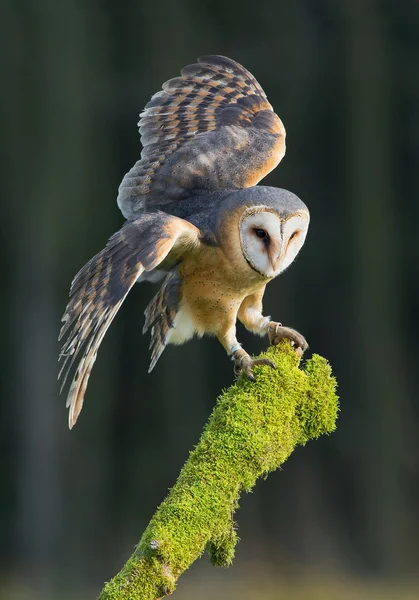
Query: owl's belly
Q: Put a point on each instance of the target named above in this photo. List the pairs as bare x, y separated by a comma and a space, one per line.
201, 315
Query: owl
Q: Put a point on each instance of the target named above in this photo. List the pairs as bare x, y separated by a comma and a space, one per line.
197, 222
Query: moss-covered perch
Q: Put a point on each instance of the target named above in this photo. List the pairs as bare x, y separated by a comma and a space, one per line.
253, 429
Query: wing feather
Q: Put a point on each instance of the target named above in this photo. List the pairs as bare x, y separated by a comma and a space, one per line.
211, 128
160, 315
99, 289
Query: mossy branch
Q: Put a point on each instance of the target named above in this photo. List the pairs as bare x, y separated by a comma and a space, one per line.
252, 430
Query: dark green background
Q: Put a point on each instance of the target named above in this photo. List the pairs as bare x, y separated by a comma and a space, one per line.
344, 77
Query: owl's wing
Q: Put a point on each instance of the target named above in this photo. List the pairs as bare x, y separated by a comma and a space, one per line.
212, 128
101, 286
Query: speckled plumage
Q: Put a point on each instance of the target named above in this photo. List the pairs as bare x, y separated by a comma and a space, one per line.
208, 137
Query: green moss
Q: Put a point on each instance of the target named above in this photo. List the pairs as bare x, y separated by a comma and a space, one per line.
221, 550
253, 429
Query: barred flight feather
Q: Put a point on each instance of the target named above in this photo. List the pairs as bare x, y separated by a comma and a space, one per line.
100, 287
212, 128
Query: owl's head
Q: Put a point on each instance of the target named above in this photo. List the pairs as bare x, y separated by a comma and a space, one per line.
272, 227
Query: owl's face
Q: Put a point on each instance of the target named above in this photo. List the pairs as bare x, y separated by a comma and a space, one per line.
271, 241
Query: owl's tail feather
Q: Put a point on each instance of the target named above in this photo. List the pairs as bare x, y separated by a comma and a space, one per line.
96, 294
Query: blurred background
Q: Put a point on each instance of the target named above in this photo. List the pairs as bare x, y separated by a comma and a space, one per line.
341, 519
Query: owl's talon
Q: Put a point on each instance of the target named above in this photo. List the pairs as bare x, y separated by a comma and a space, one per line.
276, 333
243, 363
249, 375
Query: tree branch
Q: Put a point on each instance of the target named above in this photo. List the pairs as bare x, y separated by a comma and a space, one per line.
253, 429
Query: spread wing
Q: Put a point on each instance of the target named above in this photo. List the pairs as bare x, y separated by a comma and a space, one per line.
101, 286
212, 128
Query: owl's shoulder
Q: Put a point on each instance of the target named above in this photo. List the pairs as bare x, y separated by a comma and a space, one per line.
202, 210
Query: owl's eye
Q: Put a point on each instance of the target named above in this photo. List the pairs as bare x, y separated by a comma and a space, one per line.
262, 234
293, 235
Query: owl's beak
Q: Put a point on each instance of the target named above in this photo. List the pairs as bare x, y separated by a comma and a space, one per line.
275, 255
275, 263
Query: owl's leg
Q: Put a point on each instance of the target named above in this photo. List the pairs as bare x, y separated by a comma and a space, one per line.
243, 362
250, 314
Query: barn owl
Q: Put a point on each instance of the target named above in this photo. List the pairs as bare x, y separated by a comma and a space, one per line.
196, 220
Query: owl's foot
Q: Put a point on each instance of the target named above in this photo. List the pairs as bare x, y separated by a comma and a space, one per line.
276, 333
243, 363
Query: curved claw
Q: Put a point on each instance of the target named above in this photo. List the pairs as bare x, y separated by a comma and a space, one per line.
277, 332
243, 363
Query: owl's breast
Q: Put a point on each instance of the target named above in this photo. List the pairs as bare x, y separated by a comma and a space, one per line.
212, 291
